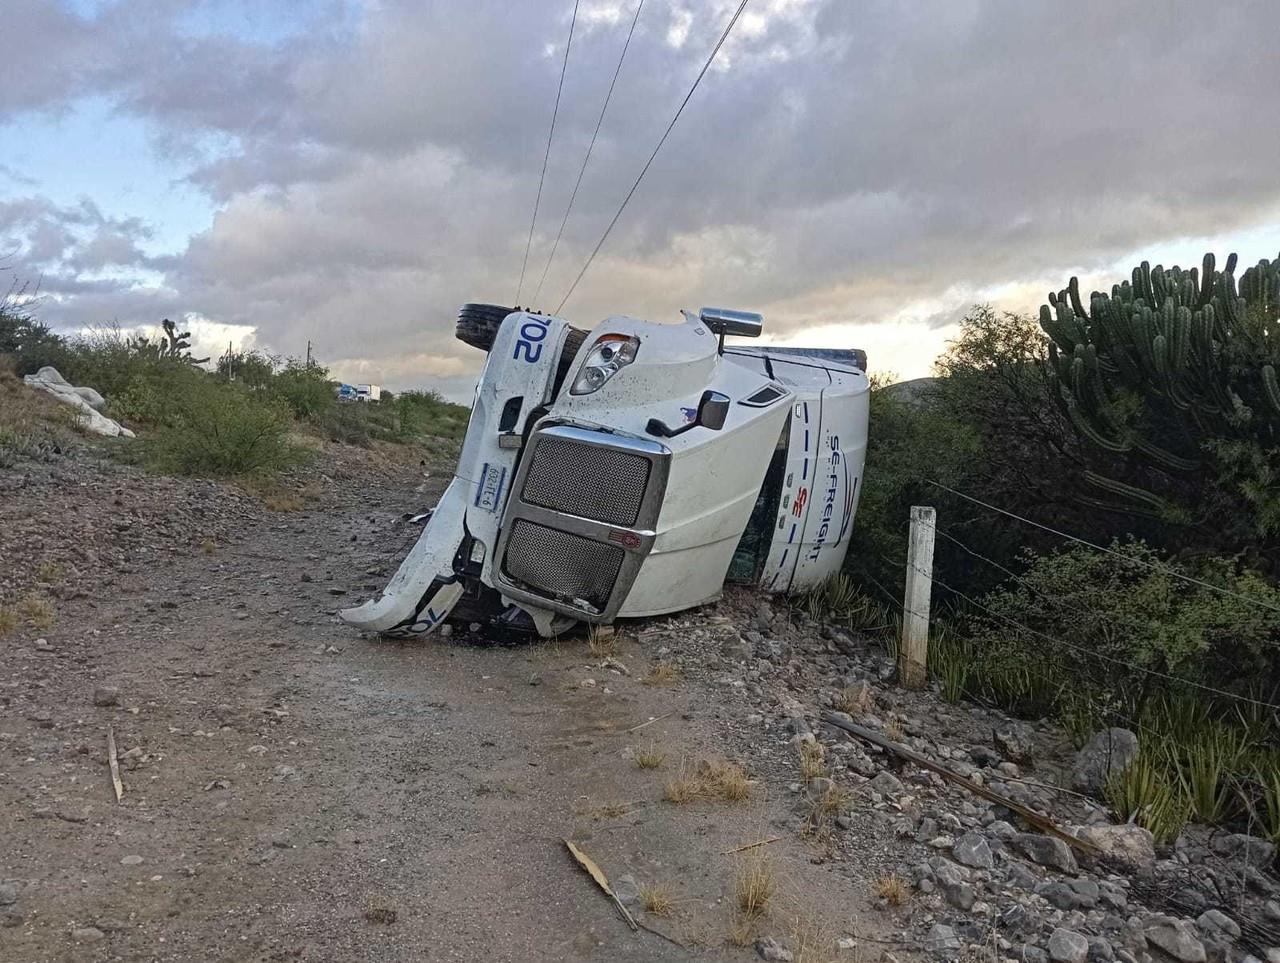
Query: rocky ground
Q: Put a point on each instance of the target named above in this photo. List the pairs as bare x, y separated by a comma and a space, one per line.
293, 791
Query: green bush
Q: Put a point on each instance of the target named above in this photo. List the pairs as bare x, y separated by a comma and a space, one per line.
29, 343
305, 388
347, 423
219, 429
427, 414
1111, 618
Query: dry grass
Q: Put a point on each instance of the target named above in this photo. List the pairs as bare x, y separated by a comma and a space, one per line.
825, 808
754, 885
379, 912
602, 641
892, 888
656, 899
684, 788
208, 546
8, 619
893, 730
33, 425
813, 940
726, 781
610, 810
662, 673
38, 610
813, 760
50, 571
650, 757
281, 501
854, 699
743, 930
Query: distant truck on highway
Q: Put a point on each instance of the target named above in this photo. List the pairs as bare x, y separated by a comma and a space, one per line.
359, 392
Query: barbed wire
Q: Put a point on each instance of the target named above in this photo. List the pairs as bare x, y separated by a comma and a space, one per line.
1163, 569
1155, 673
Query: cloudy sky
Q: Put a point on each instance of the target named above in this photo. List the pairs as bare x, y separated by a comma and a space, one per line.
349, 171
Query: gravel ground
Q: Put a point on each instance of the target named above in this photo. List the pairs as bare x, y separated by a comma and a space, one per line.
294, 791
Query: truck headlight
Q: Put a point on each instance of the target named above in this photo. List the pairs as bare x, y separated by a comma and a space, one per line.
609, 355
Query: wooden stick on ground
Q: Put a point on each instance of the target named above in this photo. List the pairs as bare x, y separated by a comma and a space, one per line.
1042, 823
759, 842
602, 881
114, 763
650, 722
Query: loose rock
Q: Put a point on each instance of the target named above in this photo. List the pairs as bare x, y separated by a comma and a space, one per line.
771, 949
1067, 946
1016, 742
1106, 754
1175, 937
1046, 850
972, 850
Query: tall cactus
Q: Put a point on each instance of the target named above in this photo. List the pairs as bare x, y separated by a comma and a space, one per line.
1167, 364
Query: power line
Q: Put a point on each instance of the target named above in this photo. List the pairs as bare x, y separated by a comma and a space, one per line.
626, 200
591, 146
1090, 652
537, 201
1163, 569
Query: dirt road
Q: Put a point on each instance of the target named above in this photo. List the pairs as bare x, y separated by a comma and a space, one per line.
295, 791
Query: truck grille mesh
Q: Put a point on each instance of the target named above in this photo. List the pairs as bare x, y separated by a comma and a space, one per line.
562, 565
603, 484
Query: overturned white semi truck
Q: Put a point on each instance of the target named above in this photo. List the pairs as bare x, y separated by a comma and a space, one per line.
629, 470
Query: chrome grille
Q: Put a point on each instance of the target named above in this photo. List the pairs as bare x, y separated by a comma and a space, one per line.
562, 565
603, 484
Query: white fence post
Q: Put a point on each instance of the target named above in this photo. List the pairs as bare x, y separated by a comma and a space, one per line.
913, 655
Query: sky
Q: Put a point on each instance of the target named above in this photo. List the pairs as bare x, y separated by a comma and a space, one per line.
348, 172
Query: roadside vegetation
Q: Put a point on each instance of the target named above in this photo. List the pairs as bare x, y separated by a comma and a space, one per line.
1145, 421
242, 416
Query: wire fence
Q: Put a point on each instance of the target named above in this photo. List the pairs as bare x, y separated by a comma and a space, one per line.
1142, 563
1076, 603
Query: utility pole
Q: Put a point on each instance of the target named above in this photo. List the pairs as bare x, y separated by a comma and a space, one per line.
308, 354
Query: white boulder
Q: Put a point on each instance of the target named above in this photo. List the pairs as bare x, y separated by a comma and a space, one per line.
86, 401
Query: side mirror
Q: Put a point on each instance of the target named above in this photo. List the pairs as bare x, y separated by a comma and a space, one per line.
726, 321
713, 410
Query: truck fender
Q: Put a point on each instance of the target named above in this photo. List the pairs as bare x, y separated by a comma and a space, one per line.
425, 588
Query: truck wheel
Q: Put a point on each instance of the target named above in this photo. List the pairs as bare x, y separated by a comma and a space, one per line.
478, 324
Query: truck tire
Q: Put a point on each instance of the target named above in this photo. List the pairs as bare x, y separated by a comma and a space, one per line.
478, 324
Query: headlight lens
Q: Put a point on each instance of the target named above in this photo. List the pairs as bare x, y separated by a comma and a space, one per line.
609, 355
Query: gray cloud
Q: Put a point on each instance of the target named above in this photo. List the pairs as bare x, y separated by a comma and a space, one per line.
843, 162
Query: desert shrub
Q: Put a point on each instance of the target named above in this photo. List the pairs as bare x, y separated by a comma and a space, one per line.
840, 601
911, 441
304, 387
30, 344
347, 423
427, 414
1110, 618
33, 426
1149, 793
254, 369
218, 429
